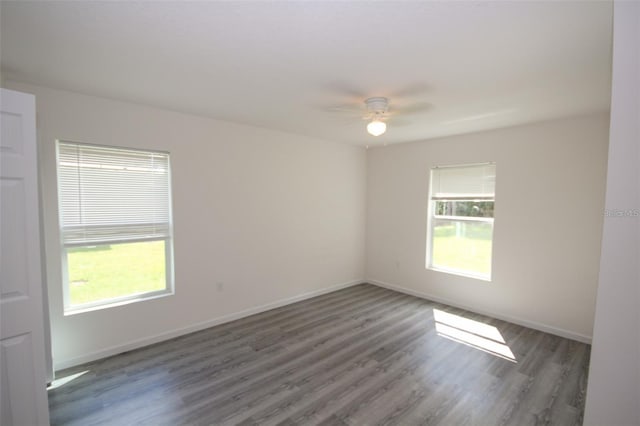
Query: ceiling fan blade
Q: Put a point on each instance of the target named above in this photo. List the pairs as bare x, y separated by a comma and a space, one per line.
351, 110
392, 122
414, 89
412, 109
346, 89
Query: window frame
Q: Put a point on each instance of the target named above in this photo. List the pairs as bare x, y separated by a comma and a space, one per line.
169, 288
432, 218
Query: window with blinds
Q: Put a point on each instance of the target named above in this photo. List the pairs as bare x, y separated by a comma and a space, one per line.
461, 215
115, 223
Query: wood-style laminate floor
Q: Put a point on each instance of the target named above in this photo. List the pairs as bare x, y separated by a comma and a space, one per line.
359, 356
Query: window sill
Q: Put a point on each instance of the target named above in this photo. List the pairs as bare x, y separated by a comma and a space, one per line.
118, 302
461, 273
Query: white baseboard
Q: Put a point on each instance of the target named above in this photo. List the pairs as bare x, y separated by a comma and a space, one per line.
135, 344
520, 321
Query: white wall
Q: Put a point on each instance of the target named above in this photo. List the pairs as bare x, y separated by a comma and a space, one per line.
613, 394
548, 221
277, 216
273, 216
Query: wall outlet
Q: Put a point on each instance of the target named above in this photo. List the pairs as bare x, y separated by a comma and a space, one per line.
220, 285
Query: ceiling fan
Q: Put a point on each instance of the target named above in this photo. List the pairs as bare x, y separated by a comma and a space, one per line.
376, 109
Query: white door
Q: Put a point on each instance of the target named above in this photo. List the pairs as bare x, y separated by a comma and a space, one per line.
23, 391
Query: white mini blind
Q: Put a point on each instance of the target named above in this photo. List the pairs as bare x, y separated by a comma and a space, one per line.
469, 181
110, 195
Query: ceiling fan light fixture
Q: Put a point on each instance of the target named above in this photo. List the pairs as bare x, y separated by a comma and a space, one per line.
376, 127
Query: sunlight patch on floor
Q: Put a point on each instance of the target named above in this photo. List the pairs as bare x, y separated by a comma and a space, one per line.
64, 380
484, 337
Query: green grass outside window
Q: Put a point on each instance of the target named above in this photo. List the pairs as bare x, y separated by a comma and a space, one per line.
463, 246
112, 271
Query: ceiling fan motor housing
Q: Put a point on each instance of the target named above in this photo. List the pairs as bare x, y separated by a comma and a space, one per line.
377, 104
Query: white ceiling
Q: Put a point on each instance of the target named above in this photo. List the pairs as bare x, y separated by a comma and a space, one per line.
454, 67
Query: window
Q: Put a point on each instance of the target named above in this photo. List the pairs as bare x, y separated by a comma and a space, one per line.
460, 229
115, 220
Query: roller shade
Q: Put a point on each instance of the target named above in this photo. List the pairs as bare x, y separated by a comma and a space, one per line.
463, 182
109, 195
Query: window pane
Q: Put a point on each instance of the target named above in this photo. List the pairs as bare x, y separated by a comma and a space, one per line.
462, 246
97, 273
467, 208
